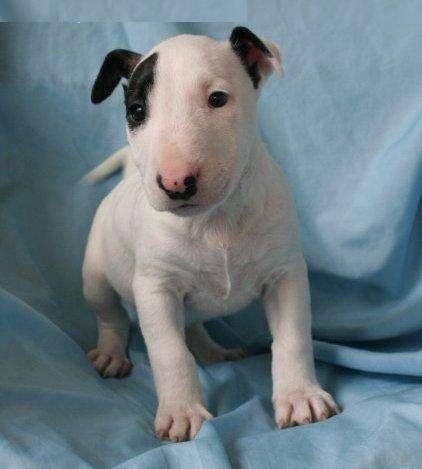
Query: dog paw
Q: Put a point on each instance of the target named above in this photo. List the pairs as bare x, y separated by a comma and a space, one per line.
223, 354
301, 407
110, 365
180, 422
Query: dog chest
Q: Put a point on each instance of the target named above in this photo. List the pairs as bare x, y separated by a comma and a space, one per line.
227, 280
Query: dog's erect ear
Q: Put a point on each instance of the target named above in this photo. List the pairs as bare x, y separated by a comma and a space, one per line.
118, 64
258, 56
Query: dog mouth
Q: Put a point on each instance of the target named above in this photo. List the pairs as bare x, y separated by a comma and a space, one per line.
186, 209
185, 206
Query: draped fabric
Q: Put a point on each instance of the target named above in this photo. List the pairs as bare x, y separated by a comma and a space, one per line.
344, 123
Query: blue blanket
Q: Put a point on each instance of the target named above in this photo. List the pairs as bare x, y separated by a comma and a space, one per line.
345, 124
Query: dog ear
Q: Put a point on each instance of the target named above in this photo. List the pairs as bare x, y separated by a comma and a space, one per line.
259, 57
118, 64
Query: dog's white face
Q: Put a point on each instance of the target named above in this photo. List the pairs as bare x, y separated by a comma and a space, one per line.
201, 116
191, 114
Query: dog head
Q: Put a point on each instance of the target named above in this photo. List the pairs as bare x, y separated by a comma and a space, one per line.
191, 114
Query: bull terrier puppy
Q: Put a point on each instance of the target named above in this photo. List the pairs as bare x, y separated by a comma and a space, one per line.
201, 224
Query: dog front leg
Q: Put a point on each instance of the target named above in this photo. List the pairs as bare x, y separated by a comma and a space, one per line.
181, 410
297, 397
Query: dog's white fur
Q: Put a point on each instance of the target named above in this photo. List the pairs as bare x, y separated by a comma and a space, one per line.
182, 266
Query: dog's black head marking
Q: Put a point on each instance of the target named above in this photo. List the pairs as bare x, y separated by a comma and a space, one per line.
137, 91
121, 63
249, 48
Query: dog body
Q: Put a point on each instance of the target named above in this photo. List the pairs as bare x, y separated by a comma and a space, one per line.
218, 262
202, 223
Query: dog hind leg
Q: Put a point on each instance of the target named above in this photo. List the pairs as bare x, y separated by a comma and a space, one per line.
206, 350
109, 357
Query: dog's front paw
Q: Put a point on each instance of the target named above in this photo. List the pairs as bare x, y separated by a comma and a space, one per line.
110, 365
180, 422
300, 407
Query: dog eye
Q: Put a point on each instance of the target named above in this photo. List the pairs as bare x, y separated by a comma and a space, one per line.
136, 112
218, 99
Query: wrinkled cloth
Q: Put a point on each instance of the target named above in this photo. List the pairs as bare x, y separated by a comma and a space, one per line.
344, 123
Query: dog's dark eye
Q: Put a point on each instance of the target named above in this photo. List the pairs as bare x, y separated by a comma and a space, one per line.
218, 99
136, 112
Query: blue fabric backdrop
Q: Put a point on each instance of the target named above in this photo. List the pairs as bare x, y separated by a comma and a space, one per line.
345, 124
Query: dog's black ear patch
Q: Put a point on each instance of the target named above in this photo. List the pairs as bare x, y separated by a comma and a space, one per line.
117, 64
253, 53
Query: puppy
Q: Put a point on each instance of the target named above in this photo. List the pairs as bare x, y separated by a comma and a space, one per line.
201, 224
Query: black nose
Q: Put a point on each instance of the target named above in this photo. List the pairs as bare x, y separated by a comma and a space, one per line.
189, 191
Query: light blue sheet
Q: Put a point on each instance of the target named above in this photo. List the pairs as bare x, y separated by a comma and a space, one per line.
345, 123
123, 10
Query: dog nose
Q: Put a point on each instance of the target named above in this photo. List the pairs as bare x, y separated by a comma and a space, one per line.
178, 186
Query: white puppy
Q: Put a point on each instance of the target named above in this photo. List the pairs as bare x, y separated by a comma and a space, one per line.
202, 223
